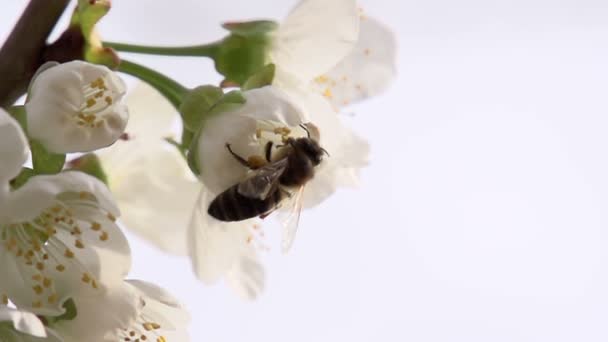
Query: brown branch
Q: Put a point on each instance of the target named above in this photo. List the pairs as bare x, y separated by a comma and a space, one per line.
22, 53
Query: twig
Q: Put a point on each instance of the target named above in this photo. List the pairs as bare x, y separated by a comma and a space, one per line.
22, 53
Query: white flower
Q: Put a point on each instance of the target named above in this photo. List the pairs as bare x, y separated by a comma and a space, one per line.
270, 114
131, 311
76, 107
58, 236
335, 49
145, 173
23, 327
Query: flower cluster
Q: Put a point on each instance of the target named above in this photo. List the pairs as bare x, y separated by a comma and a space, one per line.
82, 157
63, 257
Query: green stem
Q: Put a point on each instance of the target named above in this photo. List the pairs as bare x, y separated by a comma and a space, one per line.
172, 90
208, 50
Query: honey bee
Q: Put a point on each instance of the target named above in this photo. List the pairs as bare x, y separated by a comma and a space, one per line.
272, 184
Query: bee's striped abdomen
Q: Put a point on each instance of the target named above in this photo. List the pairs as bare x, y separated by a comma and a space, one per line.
230, 205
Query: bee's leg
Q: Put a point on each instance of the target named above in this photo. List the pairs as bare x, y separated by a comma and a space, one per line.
269, 151
305, 129
238, 158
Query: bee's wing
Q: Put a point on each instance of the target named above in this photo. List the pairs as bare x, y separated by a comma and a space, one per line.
263, 181
291, 218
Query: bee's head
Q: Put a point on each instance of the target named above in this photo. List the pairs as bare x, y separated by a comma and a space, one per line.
311, 148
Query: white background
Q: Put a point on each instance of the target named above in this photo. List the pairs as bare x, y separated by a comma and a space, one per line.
484, 213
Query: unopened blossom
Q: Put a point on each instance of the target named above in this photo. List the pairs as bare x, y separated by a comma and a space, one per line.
22, 326
76, 107
269, 114
58, 235
132, 310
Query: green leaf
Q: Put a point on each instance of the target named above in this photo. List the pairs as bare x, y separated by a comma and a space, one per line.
261, 78
25, 174
91, 165
251, 28
45, 162
197, 103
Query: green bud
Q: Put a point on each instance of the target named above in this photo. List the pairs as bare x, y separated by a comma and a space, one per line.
86, 15
197, 103
89, 164
245, 50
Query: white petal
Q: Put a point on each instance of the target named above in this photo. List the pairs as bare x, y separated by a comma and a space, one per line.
75, 107
102, 318
219, 249
366, 71
219, 169
247, 277
23, 321
151, 116
156, 192
315, 36
14, 148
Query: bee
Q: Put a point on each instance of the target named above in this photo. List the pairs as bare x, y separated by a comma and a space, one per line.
270, 185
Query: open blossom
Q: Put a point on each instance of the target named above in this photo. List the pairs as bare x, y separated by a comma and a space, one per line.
145, 172
269, 114
332, 47
130, 311
149, 204
58, 232
22, 326
76, 107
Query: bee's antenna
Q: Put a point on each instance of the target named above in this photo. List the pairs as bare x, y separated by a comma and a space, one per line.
325, 151
306, 129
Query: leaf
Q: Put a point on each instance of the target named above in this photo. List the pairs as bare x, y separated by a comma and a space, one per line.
251, 28
197, 103
45, 162
261, 78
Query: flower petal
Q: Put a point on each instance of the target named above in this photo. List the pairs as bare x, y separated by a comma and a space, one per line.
23, 321
366, 71
75, 107
220, 249
315, 36
14, 149
102, 318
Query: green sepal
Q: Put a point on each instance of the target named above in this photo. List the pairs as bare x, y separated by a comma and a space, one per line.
251, 28
228, 102
22, 178
261, 78
19, 114
45, 162
245, 51
70, 313
197, 103
91, 165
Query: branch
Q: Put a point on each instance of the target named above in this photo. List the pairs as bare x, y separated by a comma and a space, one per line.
22, 53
